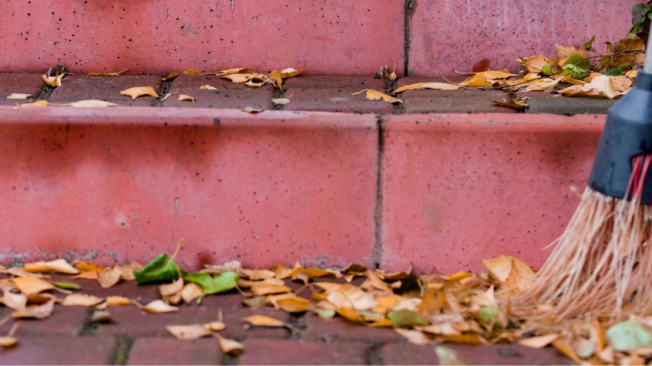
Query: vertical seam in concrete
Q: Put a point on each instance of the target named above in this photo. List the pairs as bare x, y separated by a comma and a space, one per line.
406, 35
378, 212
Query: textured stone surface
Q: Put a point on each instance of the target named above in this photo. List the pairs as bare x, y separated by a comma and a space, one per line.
275, 352
20, 84
338, 329
157, 351
570, 106
75, 88
65, 321
227, 95
60, 351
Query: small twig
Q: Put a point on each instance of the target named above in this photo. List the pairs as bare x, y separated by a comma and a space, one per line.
13, 329
450, 82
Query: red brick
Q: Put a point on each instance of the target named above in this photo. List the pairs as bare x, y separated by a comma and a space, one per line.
167, 351
275, 352
132, 321
60, 351
107, 88
455, 105
19, 83
338, 329
227, 95
410, 354
64, 321
333, 82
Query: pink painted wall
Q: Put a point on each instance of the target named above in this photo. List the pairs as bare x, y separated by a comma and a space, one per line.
472, 35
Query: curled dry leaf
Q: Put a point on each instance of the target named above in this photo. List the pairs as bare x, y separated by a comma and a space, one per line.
233, 266
53, 81
172, 288
109, 277
540, 341
255, 274
316, 272
14, 301
194, 331
171, 76
421, 86
283, 272
263, 321
59, 265
351, 296
514, 103
267, 289
242, 70
190, 292
295, 305
564, 53
139, 91
486, 78
100, 316
36, 311
20, 272
230, 346
87, 267
207, 87
158, 306
270, 281
81, 300
601, 86
214, 326
534, 64
253, 110
279, 76
128, 270
186, 98
542, 84
38, 103
117, 301
241, 78
91, 275
375, 95
502, 266
8, 341
30, 286
92, 103
18, 96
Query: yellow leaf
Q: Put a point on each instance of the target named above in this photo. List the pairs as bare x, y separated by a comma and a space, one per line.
327, 286
90, 275
385, 323
263, 321
534, 64
374, 282
569, 80
277, 77
171, 76
389, 301
375, 95
109, 277
37, 267
230, 346
117, 301
14, 301
350, 314
186, 98
316, 272
194, 331
542, 84
601, 86
296, 305
8, 341
531, 76
266, 289
421, 86
139, 91
352, 297
540, 341
486, 78
190, 292
59, 265
36, 311
457, 276
30, 286
256, 274
81, 300
18, 96
38, 103
172, 288
465, 339
158, 306
53, 81
283, 272
87, 267
632, 74
192, 72
92, 103
240, 78
562, 345
290, 72
214, 326
207, 87
564, 53
242, 70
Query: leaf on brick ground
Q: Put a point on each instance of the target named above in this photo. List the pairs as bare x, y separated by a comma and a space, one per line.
376, 95
291, 72
128, 270
190, 292
171, 76
215, 326
87, 267
301, 276
29, 286
91, 275
158, 306
283, 272
569, 80
501, 267
486, 78
514, 103
242, 70
213, 285
186, 98
253, 84
14, 301
92, 103
397, 276
36, 311
374, 282
415, 336
241, 78
8, 341
233, 266
255, 302
117, 301
350, 314
230, 346
267, 289
207, 87
38, 103
53, 81
109, 277
59, 265
81, 300
562, 345
540, 341
139, 91
534, 64
192, 72
68, 285
351, 296
20, 272
317, 273
18, 96
422, 86
601, 86
256, 274
564, 53
100, 316
448, 357
280, 101
172, 288
263, 321
406, 318
194, 331
296, 305
106, 74
161, 269
543, 84
242, 283
628, 52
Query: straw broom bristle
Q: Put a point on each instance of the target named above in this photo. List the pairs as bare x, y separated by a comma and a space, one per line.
602, 264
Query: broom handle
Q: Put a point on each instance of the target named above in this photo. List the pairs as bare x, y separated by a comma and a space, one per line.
648, 59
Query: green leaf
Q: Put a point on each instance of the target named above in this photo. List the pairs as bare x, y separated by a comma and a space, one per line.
638, 8
617, 71
566, 72
67, 285
406, 318
589, 45
212, 285
638, 28
161, 269
546, 70
578, 64
628, 335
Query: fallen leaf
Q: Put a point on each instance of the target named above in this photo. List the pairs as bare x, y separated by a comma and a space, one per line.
626, 336
190, 292
632, 74
212, 285
266, 289
160, 269
513, 103
350, 314
409, 304
8, 341
109, 277
280, 101
241, 78
38, 103
316, 273
233, 266
91, 275
601, 86
192, 72
414, 336
214, 326
457, 276
87, 267
171, 76
534, 64
465, 339
406, 318
30, 286
194, 331
59, 265
242, 283
92, 103
100, 316
607, 355
296, 305
569, 80
375, 95
540, 341
301, 276
230, 346
256, 274
53, 81
351, 296
448, 357
106, 74
20, 272
253, 110
252, 84
243, 70
139, 91
14, 301
542, 84
36, 311
422, 86
207, 87
440, 329
628, 52
263, 321
186, 98
67, 285
283, 272
18, 96
172, 288
81, 300
128, 270
117, 301
564, 53
486, 78
279, 76
374, 282
158, 306
562, 345
255, 302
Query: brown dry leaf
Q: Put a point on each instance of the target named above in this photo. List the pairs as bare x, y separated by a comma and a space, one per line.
174, 299
233, 266
8, 341
591, 77
542, 84
194, 331
91, 275
38, 103
230, 346
158, 306
87, 267
243, 70
214, 326
128, 270
531, 76
301, 276
631, 52
100, 316
601, 86
486, 78
440, 329
632, 74
457, 276
53, 81
263, 321
375, 95
290, 72
277, 77
540, 341
327, 286
351, 296
468, 338
20, 272
81, 300
534, 64
422, 86
274, 299
256, 274
190, 292
267, 289
91, 103
171, 76
139, 91
18, 96
172, 288
252, 84
186, 98
192, 72
207, 87
106, 74
562, 345
569, 80
282, 272
608, 355
448, 357
316, 273
117, 301
513, 103
14, 301
36, 311
564, 53
240, 78
414, 336
350, 314
270, 281
295, 305
374, 282
59, 265
109, 277
389, 301
30, 286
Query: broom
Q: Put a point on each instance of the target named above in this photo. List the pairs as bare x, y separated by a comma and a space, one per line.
602, 264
